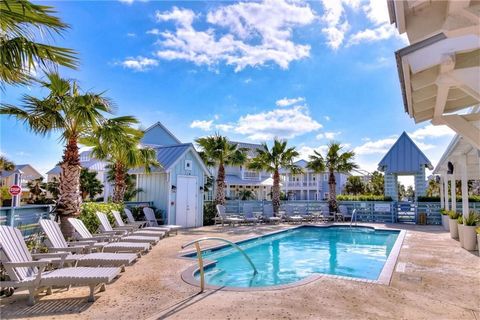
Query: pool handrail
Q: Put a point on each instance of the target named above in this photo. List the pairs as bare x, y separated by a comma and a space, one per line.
354, 215
200, 258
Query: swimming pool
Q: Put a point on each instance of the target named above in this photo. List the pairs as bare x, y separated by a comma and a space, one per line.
293, 255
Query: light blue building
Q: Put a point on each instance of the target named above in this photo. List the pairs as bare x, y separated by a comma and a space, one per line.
177, 187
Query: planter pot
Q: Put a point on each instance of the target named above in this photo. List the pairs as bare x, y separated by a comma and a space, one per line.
478, 243
445, 223
460, 234
469, 238
453, 226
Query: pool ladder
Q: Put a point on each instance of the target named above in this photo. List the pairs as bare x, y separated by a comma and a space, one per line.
354, 216
200, 258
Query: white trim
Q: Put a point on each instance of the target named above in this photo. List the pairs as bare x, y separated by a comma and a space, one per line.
197, 191
169, 188
195, 153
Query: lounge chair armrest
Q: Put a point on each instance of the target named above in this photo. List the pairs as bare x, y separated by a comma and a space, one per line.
27, 264
100, 237
78, 249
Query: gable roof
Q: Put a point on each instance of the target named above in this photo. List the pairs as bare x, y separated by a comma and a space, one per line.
161, 126
20, 167
404, 157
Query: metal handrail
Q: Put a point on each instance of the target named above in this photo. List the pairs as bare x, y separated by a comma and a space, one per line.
354, 215
200, 258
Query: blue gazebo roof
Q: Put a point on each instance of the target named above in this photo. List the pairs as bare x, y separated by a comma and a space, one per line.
404, 157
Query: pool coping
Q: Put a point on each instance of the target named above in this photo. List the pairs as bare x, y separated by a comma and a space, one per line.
384, 278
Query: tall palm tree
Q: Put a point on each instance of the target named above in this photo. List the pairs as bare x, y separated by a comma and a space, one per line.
218, 151
6, 164
118, 142
21, 22
271, 160
334, 161
71, 113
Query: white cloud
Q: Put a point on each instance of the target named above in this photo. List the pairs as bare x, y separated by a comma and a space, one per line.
205, 125
224, 127
241, 34
282, 123
382, 32
131, 34
330, 135
247, 81
132, 1
139, 63
285, 102
335, 19
327, 118
306, 151
431, 131
380, 146
154, 31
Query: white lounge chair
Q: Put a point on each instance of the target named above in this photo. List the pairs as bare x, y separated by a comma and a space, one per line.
131, 219
249, 217
57, 243
343, 213
268, 215
223, 217
126, 236
326, 214
291, 216
135, 228
107, 242
153, 223
24, 272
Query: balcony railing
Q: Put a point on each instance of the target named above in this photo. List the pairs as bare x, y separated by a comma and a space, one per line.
300, 183
250, 175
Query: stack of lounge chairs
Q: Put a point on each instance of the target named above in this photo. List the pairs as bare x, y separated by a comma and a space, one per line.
93, 260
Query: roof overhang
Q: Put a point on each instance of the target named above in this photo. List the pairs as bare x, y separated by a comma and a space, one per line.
460, 153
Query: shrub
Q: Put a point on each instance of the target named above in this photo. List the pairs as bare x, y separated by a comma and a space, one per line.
472, 219
478, 230
460, 219
364, 197
437, 199
209, 212
453, 214
443, 212
89, 217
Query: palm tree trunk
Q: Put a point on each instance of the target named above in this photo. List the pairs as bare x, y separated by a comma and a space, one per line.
276, 192
120, 185
70, 200
220, 192
332, 192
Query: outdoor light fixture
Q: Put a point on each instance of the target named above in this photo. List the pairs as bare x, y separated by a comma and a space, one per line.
449, 168
174, 188
201, 189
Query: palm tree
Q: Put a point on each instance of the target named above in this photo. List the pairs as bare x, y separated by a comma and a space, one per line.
20, 54
354, 185
118, 142
246, 195
334, 161
71, 113
217, 150
90, 186
6, 164
131, 190
271, 160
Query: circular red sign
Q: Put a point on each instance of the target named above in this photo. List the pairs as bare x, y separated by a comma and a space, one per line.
15, 190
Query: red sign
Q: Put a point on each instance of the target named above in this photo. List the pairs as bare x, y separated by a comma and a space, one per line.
15, 190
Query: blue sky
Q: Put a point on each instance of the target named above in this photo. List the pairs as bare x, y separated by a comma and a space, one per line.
309, 72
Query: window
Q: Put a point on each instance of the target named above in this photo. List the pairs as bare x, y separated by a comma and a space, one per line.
325, 195
325, 177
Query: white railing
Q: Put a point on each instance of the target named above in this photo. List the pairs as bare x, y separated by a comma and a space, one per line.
301, 183
251, 175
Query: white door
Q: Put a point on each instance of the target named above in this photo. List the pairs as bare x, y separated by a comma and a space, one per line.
187, 193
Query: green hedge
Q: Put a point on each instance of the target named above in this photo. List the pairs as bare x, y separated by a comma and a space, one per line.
209, 213
365, 197
89, 217
437, 199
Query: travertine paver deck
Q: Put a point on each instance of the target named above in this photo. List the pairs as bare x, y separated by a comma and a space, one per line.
434, 279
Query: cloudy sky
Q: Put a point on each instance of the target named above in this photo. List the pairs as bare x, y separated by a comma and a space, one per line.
310, 72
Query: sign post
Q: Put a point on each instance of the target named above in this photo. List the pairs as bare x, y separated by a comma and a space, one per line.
16, 189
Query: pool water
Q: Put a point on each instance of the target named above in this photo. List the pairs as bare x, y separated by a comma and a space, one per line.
293, 255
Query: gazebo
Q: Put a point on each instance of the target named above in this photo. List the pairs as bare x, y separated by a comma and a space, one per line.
404, 159
461, 161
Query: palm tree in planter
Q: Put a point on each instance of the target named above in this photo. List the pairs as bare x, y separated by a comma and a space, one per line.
71, 113
271, 160
119, 143
218, 151
334, 161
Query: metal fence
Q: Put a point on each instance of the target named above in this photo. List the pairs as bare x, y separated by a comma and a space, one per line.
25, 218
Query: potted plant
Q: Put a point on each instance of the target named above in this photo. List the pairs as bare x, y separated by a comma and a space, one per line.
478, 239
468, 231
453, 224
445, 223
460, 229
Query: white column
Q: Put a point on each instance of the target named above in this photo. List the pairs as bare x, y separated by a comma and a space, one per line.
308, 186
442, 198
453, 192
286, 183
318, 186
445, 190
465, 209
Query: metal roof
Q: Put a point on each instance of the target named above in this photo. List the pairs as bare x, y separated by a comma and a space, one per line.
168, 155
235, 180
404, 157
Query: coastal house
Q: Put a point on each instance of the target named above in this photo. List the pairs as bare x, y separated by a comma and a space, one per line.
309, 185
27, 173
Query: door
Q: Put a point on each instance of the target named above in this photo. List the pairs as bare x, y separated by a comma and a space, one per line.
187, 193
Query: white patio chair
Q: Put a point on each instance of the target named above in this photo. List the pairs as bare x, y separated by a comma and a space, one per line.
343, 213
107, 242
291, 216
223, 217
268, 215
135, 228
152, 221
26, 273
57, 243
126, 236
326, 214
249, 217
131, 219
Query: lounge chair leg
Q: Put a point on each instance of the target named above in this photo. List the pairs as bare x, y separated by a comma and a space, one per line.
122, 268
102, 287
49, 291
91, 296
31, 296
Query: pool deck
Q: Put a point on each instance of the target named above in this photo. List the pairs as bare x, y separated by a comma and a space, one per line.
433, 279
